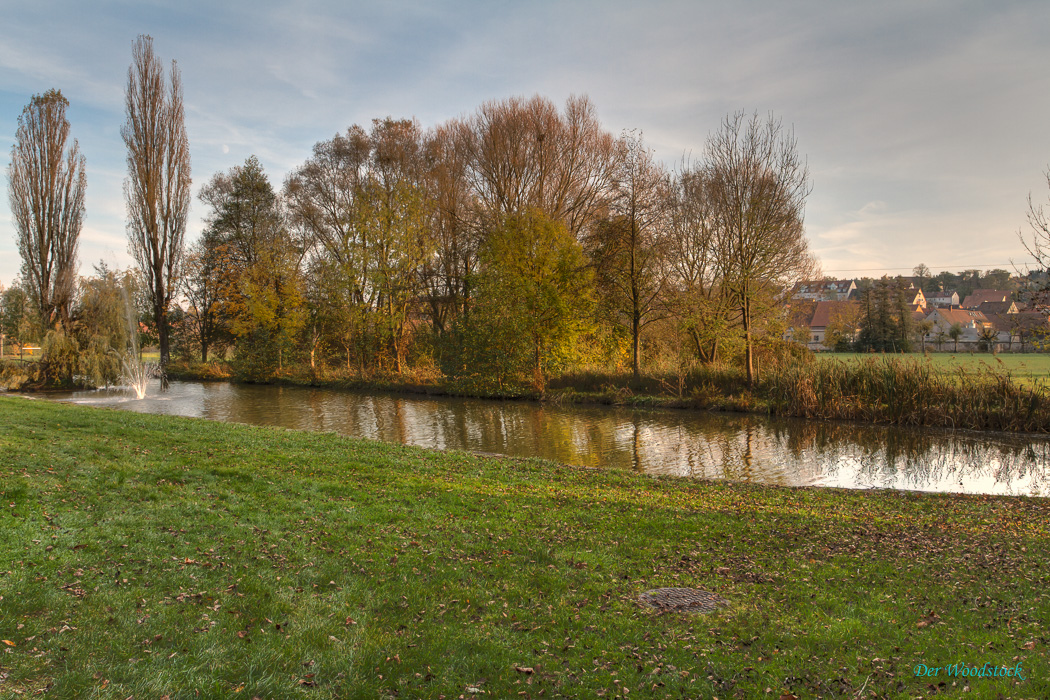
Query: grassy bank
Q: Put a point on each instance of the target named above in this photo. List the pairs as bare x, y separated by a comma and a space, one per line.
147, 556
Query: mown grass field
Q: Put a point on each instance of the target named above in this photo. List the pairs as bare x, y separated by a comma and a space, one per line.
147, 556
1023, 366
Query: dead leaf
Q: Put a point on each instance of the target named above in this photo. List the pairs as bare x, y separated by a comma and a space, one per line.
524, 669
9, 643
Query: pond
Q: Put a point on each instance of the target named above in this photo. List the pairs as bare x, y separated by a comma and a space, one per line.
740, 447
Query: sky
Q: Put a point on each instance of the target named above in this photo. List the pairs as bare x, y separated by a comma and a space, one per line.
924, 124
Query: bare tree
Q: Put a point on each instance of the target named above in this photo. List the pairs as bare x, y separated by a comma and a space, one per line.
1039, 221
157, 189
523, 154
630, 248
446, 276
922, 273
46, 186
759, 186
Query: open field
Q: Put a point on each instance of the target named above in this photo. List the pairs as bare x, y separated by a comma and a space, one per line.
1023, 366
147, 556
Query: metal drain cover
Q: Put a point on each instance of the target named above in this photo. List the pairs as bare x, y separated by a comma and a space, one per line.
682, 600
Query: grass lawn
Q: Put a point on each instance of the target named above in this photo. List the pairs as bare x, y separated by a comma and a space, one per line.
151, 556
1029, 366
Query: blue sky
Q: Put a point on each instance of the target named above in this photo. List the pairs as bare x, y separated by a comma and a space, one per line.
924, 123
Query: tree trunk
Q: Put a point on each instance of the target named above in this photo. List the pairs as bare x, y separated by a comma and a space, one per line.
636, 364
161, 315
745, 312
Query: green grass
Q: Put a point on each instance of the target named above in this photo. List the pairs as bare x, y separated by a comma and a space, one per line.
147, 556
1023, 366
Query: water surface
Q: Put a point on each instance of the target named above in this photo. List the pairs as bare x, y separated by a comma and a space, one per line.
741, 447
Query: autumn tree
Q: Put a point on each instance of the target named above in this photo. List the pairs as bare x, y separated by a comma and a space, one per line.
46, 184
535, 298
157, 189
843, 321
523, 154
395, 224
758, 187
19, 321
324, 199
630, 248
209, 284
363, 197
105, 323
246, 278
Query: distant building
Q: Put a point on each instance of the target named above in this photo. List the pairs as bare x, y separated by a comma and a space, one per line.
945, 298
825, 290
816, 317
997, 307
916, 298
981, 296
971, 321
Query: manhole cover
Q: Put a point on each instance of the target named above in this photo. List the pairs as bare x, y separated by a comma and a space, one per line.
682, 600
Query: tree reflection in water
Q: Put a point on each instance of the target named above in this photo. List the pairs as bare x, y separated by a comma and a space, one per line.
684, 443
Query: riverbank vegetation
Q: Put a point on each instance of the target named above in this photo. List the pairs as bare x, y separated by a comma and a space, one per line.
149, 555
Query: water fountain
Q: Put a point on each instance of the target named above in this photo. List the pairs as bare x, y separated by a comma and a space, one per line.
134, 373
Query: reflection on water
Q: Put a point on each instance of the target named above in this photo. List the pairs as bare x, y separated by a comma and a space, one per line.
682, 443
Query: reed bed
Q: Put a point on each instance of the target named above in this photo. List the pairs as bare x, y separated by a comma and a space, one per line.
908, 392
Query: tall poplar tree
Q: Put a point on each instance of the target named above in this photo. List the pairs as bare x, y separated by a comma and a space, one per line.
157, 189
46, 186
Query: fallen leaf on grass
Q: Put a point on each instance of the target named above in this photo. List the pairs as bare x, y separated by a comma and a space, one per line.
523, 669
9, 643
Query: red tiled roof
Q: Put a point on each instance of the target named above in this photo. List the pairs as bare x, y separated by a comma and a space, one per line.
826, 312
963, 316
981, 296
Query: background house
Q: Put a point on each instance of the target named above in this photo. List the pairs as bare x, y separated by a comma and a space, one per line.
943, 298
971, 321
981, 296
825, 290
814, 320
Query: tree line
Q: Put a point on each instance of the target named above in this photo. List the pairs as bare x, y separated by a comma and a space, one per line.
507, 245
504, 246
